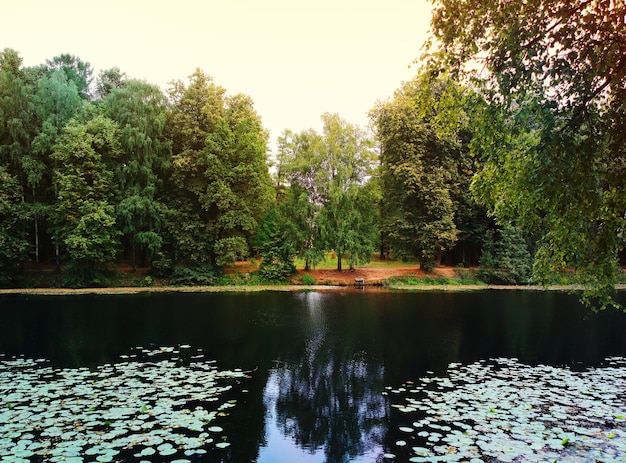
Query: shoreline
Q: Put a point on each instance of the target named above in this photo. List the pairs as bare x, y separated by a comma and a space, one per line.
285, 288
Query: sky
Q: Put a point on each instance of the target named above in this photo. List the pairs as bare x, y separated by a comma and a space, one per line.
297, 60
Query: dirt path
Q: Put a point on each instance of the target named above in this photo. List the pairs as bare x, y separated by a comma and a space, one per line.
370, 276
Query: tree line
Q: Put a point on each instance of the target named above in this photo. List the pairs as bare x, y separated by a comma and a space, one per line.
99, 172
507, 149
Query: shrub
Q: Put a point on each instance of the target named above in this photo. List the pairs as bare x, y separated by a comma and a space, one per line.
162, 266
201, 275
307, 279
78, 274
275, 269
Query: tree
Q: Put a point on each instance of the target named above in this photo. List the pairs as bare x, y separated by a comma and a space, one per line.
554, 78
84, 216
15, 113
108, 80
505, 258
13, 243
425, 168
219, 170
276, 251
329, 172
56, 101
297, 171
75, 70
347, 221
140, 112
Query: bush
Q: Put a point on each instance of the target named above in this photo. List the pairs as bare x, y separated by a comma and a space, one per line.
201, 275
77, 274
308, 279
162, 267
276, 270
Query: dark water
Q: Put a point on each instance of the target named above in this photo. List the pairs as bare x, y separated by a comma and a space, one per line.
320, 361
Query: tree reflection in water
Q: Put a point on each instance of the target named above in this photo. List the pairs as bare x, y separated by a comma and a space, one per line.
328, 401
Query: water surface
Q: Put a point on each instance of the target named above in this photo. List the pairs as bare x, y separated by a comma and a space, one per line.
321, 364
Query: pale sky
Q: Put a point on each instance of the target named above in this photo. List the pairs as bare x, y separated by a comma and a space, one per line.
295, 59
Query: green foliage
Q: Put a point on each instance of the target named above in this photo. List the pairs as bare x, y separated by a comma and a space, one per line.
82, 274
424, 161
412, 280
75, 70
506, 258
13, 244
328, 203
229, 250
220, 185
274, 269
550, 135
202, 275
162, 266
84, 216
277, 253
308, 279
140, 111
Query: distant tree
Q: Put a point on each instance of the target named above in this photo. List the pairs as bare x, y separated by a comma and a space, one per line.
13, 242
56, 101
276, 251
426, 171
221, 186
75, 70
15, 112
347, 221
139, 109
84, 216
108, 80
330, 172
506, 258
552, 137
297, 171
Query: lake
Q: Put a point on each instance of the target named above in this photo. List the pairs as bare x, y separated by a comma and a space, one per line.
338, 376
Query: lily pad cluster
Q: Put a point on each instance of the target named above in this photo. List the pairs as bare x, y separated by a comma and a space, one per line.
505, 411
154, 405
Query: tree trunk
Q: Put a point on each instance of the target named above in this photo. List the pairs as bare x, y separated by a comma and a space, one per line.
36, 242
339, 262
134, 255
36, 234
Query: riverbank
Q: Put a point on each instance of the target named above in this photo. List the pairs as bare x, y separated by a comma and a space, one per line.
285, 288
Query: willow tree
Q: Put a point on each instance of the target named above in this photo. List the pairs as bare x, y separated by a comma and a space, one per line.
220, 184
139, 109
552, 140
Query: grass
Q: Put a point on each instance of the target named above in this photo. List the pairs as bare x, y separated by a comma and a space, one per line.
330, 263
412, 280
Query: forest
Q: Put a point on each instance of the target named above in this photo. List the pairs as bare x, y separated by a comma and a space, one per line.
517, 167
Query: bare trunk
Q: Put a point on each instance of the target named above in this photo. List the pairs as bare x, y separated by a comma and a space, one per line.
36, 235
339, 262
36, 242
56, 241
134, 256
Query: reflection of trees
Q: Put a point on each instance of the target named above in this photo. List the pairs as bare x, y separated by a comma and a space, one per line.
330, 397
